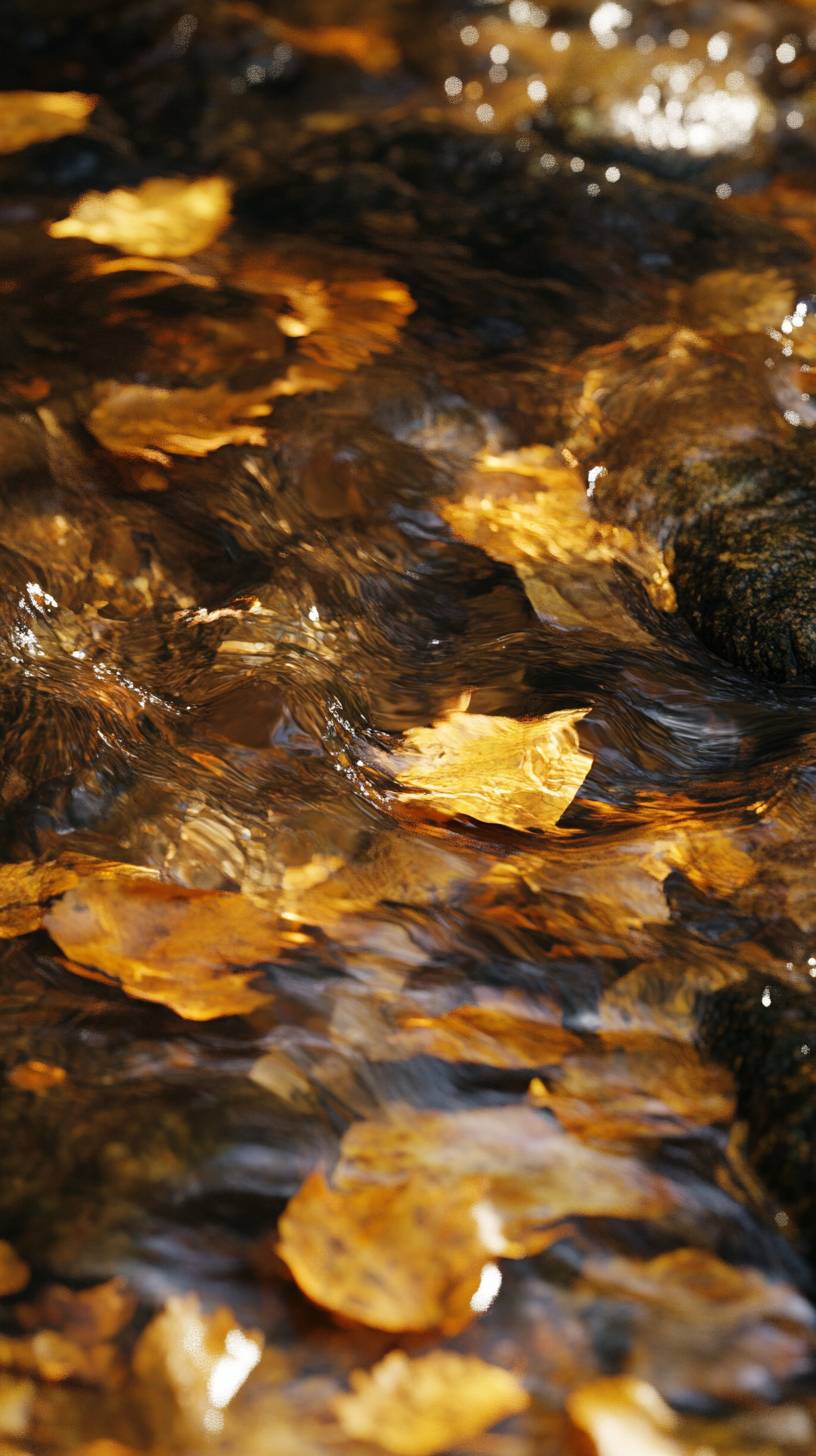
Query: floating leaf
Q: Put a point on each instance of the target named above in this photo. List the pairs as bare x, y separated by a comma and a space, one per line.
41, 116
521, 773
424, 1406
14, 1273
163, 218
191, 1365
399, 1258
166, 944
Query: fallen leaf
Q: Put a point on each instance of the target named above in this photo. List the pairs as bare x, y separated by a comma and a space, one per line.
699, 1325
41, 116
86, 1316
50, 1356
536, 1175
399, 1258
424, 1406
367, 48
163, 218
639, 1086
14, 1273
487, 1035
624, 1417
526, 507
151, 423
16, 1405
191, 1365
36, 1076
162, 943
523, 774
27, 887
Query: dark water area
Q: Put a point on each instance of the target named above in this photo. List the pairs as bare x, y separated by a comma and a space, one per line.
408, 674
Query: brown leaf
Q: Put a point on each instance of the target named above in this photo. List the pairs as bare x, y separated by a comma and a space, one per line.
14, 1273
190, 1365
163, 218
488, 1035
405, 1257
524, 774
41, 116
424, 1406
700, 1325
162, 943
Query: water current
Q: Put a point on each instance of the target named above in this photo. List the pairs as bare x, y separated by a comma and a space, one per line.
407, 928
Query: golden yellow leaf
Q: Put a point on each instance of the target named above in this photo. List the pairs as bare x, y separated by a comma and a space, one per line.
367, 48
41, 116
152, 423
53, 1357
624, 1417
536, 1174
165, 217
162, 943
424, 1406
639, 1086
191, 1365
14, 1273
405, 1257
489, 1035
524, 774
26, 887
526, 507
36, 1076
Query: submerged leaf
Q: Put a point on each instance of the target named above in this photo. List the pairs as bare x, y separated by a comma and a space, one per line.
146, 421
424, 1406
14, 1273
701, 1325
536, 1174
367, 48
162, 943
163, 218
399, 1258
191, 1365
36, 1076
624, 1417
523, 774
26, 887
489, 1035
639, 1086
41, 116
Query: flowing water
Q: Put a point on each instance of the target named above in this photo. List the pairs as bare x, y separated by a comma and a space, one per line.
407, 913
